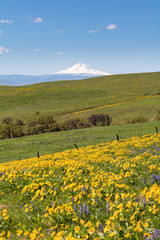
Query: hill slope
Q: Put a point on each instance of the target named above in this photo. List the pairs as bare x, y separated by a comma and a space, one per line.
64, 97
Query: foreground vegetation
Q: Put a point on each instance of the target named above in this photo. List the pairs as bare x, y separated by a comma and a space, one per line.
108, 191
47, 143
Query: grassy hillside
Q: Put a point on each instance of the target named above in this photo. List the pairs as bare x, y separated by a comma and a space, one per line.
64, 97
27, 147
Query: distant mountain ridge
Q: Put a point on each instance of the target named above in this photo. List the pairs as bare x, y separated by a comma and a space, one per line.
76, 72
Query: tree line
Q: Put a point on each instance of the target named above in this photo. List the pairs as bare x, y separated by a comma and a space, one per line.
10, 128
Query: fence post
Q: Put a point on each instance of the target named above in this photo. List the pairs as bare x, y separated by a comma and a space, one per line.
117, 137
76, 146
156, 129
38, 154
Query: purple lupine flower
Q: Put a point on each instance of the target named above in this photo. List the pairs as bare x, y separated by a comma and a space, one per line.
144, 180
154, 176
152, 237
75, 208
144, 202
156, 233
20, 206
101, 227
85, 188
87, 211
55, 189
145, 237
72, 199
84, 207
3, 180
152, 181
97, 200
52, 204
82, 188
64, 186
108, 207
137, 200
81, 211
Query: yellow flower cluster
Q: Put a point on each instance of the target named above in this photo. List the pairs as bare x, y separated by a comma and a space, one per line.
107, 191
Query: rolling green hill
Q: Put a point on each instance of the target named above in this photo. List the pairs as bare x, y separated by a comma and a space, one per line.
63, 98
48, 143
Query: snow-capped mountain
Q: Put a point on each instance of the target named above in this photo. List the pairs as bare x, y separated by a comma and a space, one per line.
83, 70
77, 72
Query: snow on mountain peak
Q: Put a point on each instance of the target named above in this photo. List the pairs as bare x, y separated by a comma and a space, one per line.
82, 70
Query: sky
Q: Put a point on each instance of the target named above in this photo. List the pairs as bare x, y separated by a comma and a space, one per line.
45, 36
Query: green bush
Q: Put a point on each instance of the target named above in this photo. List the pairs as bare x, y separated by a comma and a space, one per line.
99, 120
138, 120
10, 130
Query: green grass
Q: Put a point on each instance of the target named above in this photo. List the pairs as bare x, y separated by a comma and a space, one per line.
27, 147
63, 97
147, 107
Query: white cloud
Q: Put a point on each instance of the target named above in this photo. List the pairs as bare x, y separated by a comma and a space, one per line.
37, 50
59, 53
6, 21
38, 20
93, 31
111, 26
4, 50
1, 33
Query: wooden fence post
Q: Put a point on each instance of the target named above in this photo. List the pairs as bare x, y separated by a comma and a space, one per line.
117, 137
76, 146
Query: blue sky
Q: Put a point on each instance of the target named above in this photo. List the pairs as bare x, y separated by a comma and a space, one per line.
45, 36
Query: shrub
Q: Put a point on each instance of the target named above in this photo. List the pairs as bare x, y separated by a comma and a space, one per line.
19, 122
71, 124
7, 120
32, 123
138, 120
10, 130
55, 127
46, 120
99, 119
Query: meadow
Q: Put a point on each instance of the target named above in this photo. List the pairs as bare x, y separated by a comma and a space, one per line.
64, 98
106, 191
48, 143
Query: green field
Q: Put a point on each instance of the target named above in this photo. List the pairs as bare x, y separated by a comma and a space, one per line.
27, 147
123, 97
62, 98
